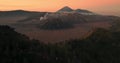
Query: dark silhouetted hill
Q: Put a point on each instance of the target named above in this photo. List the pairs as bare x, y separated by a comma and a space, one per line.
115, 23
17, 48
102, 46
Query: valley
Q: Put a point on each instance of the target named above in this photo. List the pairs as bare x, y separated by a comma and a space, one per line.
50, 36
58, 24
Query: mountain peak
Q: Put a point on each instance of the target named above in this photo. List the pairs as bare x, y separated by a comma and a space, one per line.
65, 9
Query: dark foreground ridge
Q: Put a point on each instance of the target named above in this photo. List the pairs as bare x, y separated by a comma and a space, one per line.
102, 46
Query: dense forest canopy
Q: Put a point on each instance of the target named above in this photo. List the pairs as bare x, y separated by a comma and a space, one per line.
102, 46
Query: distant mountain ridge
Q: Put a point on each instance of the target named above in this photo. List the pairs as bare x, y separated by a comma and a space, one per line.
24, 12
81, 10
19, 13
68, 9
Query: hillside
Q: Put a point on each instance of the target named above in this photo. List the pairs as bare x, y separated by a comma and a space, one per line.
101, 46
115, 23
14, 16
60, 20
17, 13
43, 25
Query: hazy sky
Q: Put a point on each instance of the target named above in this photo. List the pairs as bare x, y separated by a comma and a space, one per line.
100, 6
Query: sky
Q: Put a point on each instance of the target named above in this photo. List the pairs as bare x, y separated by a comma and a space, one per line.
99, 6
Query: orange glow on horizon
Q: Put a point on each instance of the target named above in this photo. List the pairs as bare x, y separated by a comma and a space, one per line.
54, 5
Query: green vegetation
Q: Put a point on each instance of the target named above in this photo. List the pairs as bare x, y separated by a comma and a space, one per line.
103, 46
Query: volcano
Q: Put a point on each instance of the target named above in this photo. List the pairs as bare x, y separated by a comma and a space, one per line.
65, 9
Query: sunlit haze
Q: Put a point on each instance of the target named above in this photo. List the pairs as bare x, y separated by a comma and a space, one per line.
99, 6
